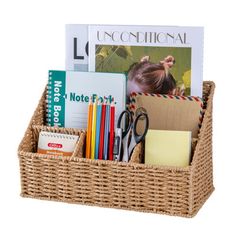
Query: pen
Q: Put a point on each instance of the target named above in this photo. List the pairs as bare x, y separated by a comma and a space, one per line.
117, 144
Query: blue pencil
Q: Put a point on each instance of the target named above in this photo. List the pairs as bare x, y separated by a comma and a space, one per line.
98, 124
106, 134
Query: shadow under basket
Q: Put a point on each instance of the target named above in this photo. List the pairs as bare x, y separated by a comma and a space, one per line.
132, 186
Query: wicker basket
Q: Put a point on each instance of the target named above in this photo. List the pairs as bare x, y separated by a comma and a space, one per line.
133, 186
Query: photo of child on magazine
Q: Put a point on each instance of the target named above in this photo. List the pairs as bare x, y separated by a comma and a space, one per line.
163, 70
149, 77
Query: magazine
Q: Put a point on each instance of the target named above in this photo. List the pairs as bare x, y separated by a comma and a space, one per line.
156, 59
77, 47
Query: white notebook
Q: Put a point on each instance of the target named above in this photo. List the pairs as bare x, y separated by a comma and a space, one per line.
69, 93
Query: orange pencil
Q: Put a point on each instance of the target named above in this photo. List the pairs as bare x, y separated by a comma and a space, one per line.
89, 130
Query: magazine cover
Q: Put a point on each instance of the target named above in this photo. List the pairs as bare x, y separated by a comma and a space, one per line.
77, 47
156, 59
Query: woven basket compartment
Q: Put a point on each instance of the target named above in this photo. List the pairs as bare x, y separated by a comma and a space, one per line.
133, 186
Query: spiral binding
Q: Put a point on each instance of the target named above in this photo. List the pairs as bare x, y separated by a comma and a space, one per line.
57, 135
48, 100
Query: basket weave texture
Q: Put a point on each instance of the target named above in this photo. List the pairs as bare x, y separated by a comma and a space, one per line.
133, 186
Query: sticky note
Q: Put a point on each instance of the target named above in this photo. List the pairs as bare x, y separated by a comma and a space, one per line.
168, 148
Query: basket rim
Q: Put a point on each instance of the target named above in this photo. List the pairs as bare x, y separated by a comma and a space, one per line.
208, 110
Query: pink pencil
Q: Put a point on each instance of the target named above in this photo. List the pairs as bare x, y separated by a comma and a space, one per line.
112, 130
102, 131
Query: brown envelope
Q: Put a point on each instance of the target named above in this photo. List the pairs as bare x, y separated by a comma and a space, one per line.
167, 112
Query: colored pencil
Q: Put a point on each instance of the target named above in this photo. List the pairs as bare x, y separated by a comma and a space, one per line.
106, 134
98, 127
89, 130
112, 130
102, 131
93, 130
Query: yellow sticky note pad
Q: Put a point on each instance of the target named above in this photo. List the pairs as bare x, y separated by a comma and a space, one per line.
168, 148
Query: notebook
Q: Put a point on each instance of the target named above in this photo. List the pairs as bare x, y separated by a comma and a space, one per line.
168, 112
168, 148
68, 95
56, 144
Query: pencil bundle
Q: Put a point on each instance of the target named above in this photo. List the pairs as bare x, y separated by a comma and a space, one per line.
100, 129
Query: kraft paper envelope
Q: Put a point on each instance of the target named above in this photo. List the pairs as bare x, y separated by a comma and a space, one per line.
167, 112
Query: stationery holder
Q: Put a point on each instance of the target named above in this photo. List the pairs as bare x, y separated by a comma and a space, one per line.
132, 186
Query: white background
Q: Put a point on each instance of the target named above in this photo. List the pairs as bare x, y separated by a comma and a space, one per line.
32, 42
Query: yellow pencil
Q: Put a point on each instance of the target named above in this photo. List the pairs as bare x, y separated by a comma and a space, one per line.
89, 130
94, 129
